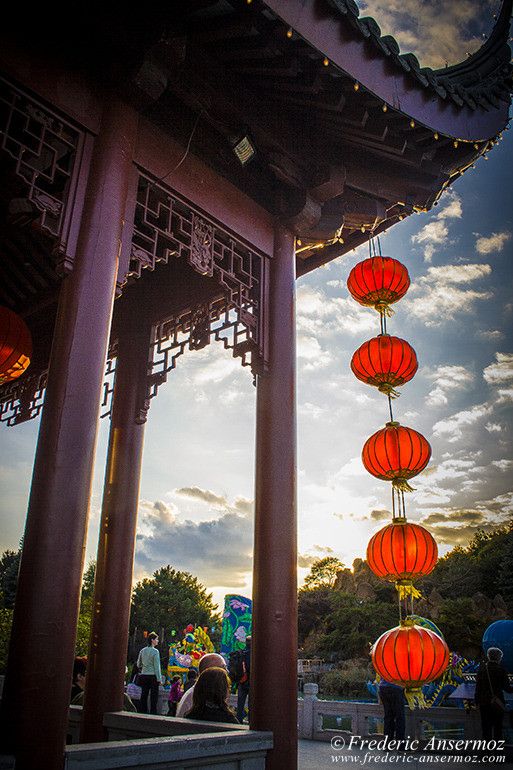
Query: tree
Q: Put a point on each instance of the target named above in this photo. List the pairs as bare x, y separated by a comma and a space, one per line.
171, 600
86, 610
313, 605
354, 625
323, 572
9, 567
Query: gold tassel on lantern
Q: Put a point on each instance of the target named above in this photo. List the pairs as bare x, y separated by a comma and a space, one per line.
405, 588
415, 699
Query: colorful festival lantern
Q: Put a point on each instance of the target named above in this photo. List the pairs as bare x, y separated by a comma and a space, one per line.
410, 655
378, 282
15, 345
385, 362
396, 453
427, 623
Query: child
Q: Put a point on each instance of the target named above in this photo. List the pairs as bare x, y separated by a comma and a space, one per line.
175, 693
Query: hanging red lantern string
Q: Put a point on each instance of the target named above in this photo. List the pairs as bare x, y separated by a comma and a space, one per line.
396, 453
15, 345
410, 656
385, 362
378, 282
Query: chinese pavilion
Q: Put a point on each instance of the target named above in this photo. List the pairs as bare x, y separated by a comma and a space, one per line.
166, 171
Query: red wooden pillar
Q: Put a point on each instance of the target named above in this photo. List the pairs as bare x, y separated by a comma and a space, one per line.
35, 703
113, 584
274, 625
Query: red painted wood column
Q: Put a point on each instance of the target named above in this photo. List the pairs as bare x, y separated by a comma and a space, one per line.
274, 624
113, 584
35, 703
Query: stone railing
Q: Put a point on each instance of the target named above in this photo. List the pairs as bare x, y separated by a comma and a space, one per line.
320, 720
145, 741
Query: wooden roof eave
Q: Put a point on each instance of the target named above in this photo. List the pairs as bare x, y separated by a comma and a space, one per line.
338, 36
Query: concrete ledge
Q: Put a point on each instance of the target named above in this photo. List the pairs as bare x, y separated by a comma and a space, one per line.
241, 750
126, 725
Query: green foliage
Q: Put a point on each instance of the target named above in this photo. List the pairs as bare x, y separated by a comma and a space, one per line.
477, 568
323, 572
5, 635
505, 574
351, 682
171, 600
313, 605
459, 626
86, 610
9, 567
354, 625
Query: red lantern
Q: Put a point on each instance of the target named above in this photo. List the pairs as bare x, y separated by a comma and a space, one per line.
378, 282
385, 362
410, 656
396, 454
402, 551
15, 345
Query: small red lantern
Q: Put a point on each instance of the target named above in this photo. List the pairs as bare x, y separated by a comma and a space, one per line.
378, 282
385, 362
402, 551
410, 656
396, 454
15, 345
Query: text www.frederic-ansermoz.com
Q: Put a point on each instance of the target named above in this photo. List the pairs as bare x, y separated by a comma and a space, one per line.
437, 751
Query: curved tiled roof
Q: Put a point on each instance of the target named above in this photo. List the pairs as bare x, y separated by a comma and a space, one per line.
484, 79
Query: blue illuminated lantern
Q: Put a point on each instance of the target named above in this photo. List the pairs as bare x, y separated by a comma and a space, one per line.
500, 634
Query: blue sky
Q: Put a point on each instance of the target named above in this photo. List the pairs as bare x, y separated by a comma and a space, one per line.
196, 501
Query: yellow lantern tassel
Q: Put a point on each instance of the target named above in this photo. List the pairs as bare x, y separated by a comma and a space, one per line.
415, 699
388, 390
406, 588
384, 308
402, 485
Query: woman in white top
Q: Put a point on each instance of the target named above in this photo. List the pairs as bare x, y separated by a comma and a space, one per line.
150, 675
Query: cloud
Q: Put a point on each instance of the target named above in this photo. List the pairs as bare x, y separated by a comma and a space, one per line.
452, 427
501, 371
309, 349
321, 316
380, 515
436, 231
305, 562
448, 378
442, 293
494, 242
217, 501
435, 30
218, 551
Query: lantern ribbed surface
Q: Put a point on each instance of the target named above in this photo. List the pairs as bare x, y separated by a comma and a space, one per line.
410, 655
15, 345
395, 453
402, 551
384, 361
378, 281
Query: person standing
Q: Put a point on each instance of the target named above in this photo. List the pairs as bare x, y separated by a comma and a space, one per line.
175, 693
150, 677
243, 684
392, 698
491, 680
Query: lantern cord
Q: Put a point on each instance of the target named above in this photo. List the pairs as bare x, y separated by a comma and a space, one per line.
390, 407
